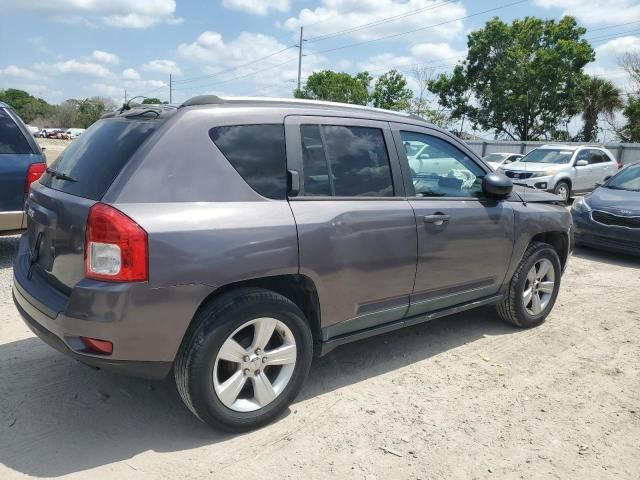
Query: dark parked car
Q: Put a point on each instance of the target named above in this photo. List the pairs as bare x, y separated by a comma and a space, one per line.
21, 163
229, 241
609, 217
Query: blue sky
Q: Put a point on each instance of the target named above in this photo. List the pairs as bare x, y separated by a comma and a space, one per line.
79, 48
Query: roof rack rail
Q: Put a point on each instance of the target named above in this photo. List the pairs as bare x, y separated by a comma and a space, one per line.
216, 100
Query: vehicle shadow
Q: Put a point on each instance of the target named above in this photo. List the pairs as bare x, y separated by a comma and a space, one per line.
612, 258
59, 417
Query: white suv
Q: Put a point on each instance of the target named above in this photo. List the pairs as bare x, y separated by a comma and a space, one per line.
563, 169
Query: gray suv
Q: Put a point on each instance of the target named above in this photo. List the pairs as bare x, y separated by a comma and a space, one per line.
229, 241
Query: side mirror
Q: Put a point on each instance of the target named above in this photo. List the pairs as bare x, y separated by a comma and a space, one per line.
497, 185
582, 163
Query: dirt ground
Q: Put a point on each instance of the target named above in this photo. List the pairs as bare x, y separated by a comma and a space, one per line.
460, 397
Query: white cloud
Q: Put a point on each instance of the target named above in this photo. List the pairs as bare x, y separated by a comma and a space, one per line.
607, 57
15, 71
436, 51
130, 74
337, 15
118, 13
224, 63
76, 67
596, 11
162, 66
257, 7
104, 57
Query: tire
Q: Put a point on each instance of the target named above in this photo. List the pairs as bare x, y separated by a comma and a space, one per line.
563, 189
515, 308
233, 319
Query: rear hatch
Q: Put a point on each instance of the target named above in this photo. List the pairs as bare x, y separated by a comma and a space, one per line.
58, 206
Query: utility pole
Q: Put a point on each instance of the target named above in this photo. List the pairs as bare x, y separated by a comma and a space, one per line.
170, 90
125, 96
300, 58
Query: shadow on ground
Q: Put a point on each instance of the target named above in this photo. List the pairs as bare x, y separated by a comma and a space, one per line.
58, 416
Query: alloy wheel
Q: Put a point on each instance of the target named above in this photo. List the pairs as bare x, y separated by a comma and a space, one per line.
539, 286
254, 364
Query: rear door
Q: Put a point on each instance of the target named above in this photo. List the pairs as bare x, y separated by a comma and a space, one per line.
17, 152
465, 239
603, 166
356, 230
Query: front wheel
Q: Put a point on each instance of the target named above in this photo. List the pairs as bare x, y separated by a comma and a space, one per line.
245, 361
563, 189
534, 287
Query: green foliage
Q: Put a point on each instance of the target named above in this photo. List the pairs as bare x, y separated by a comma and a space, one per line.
336, 87
26, 105
153, 100
391, 92
519, 80
598, 97
631, 131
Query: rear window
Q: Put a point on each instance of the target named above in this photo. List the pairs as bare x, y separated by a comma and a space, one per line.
96, 157
258, 154
11, 138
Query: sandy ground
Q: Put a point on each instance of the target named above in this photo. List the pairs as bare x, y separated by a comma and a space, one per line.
461, 397
53, 148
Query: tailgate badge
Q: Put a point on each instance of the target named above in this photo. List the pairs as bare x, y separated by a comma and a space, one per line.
30, 212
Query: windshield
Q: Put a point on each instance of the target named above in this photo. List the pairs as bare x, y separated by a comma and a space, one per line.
548, 155
627, 179
494, 157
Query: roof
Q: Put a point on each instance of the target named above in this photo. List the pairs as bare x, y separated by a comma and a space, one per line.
203, 100
571, 147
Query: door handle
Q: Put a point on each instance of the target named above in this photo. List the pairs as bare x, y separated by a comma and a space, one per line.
436, 219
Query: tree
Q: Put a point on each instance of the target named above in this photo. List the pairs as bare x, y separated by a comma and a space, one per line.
521, 79
598, 97
631, 131
66, 114
153, 100
423, 101
91, 109
25, 105
390, 91
631, 63
336, 87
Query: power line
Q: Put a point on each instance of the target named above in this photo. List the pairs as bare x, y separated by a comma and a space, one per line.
394, 35
377, 22
234, 78
612, 26
231, 69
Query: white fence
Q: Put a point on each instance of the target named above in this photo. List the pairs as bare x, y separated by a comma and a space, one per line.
625, 152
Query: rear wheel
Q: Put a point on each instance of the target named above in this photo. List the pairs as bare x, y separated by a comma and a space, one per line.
563, 189
245, 361
534, 287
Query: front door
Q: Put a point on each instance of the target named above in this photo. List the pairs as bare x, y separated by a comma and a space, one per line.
356, 230
464, 238
583, 179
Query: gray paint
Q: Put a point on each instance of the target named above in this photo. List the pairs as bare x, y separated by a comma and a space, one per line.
374, 262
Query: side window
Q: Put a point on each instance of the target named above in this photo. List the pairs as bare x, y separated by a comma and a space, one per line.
439, 169
11, 138
511, 159
257, 152
583, 155
596, 157
345, 161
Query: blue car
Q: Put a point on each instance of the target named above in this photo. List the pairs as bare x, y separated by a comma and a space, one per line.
21, 164
609, 217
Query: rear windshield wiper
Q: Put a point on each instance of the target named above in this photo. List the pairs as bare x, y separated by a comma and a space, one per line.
60, 175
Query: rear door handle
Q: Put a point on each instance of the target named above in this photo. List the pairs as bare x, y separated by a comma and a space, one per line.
436, 219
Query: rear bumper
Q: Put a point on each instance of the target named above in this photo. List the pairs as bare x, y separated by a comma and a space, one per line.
606, 237
145, 324
151, 370
11, 222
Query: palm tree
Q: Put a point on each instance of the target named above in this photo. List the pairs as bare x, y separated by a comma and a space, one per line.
599, 97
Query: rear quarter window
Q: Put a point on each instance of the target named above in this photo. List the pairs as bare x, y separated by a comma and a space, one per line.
96, 157
258, 154
11, 138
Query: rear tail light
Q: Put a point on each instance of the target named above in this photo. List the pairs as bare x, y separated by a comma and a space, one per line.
34, 172
115, 246
98, 346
